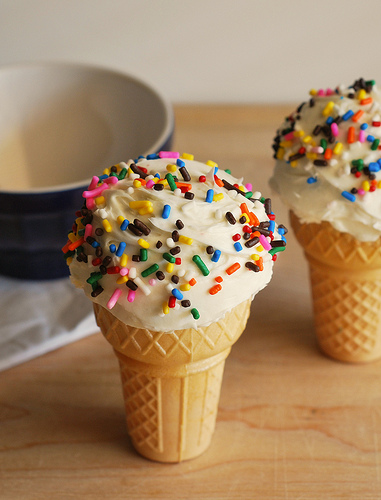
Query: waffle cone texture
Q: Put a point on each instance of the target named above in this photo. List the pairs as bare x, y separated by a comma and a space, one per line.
171, 381
345, 279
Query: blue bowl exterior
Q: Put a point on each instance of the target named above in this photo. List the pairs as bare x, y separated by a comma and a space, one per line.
33, 228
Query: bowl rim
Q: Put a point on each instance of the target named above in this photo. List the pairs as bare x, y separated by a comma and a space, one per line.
160, 141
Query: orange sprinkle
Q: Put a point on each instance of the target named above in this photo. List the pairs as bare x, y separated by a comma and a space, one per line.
233, 268
256, 234
76, 244
244, 208
356, 117
218, 181
184, 186
367, 100
192, 282
253, 219
351, 135
142, 181
219, 279
215, 289
259, 263
66, 247
328, 154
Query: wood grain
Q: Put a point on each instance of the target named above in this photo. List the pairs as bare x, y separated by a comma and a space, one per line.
292, 424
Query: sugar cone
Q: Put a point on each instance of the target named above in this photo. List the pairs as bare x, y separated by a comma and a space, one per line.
171, 381
346, 289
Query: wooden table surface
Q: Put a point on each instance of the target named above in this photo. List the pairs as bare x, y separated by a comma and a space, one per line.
292, 424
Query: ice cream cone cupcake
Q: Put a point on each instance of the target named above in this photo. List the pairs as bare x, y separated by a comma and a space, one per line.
172, 251
328, 163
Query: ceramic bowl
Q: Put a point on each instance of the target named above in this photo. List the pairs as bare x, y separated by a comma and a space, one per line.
59, 125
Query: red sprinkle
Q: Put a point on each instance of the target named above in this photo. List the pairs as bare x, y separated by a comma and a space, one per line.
178, 261
236, 237
96, 262
271, 216
246, 229
172, 301
274, 258
202, 178
113, 270
358, 174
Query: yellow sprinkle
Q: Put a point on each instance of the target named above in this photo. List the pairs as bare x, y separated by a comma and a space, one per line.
280, 154
137, 184
129, 171
106, 171
307, 139
170, 267
140, 204
171, 167
122, 280
246, 216
72, 237
185, 288
218, 197
260, 248
79, 223
145, 210
107, 226
338, 148
143, 243
120, 219
361, 95
293, 164
313, 92
69, 260
285, 144
366, 185
164, 182
211, 163
185, 239
124, 260
379, 185
313, 143
311, 156
328, 108
100, 200
299, 133
254, 256
165, 308
187, 156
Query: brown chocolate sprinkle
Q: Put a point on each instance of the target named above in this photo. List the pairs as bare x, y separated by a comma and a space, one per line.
131, 285
230, 218
185, 303
209, 250
142, 227
189, 195
135, 230
98, 290
175, 250
252, 266
252, 242
179, 224
160, 275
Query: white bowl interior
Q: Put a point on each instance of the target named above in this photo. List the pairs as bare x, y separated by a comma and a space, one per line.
60, 123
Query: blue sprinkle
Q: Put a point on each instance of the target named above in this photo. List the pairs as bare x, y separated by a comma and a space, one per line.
209, 196
238, 246
311, 180
157, 175
215, 170
364, 126
121, 248
374, 167
348, 115
95, 244
329, 120
370, 138
216, 256
166, 211
176, 293
379, 162
272, 226
283, 238
348, 196
281, 231
124, 224
180, 163
112, 248
152, 156
102, 177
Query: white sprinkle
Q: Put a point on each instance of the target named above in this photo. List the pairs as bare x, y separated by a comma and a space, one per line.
132, 273
177, 192
170, 243
102, 213
257, 195
130, 190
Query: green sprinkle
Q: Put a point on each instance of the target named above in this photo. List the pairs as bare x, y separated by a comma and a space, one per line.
81, 232
171, 181
150, 270
276, 249
143, 254
323, 144
262, 199
228, 171
200, 264
69, 254
359, 164
170, 258
249, 194
195, 313
375, 144
79, 250
94, 278
122, 173
370, 82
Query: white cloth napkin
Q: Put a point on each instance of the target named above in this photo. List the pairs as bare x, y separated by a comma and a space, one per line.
39, 316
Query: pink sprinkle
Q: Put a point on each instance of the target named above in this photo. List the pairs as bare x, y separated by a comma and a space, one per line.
289, 136
321, 92
335, 129
150, 184
266, 245
93, 183
124, 271
249, 186
152, 282
114, 298
88, 230
95, 192
317, 149
329, 92
111, 180
169, 154
90, 204
131, 296
361, 192
361, 135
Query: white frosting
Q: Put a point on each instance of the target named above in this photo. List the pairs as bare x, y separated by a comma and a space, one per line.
205, 223
323, 200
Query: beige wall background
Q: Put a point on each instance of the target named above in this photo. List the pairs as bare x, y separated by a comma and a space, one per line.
239, 51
